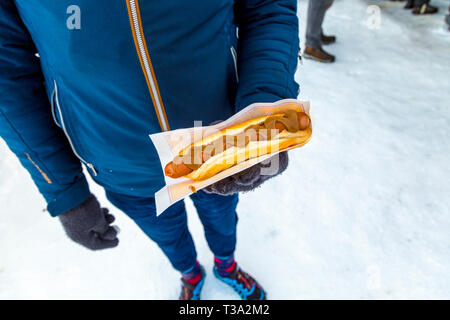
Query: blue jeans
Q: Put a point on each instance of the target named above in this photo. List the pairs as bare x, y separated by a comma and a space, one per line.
170, 231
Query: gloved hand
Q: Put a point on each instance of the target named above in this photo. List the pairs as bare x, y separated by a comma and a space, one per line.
252, 177
89, 225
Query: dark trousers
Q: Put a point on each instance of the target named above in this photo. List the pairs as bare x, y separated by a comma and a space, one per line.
418, 3
170, 231
316, 14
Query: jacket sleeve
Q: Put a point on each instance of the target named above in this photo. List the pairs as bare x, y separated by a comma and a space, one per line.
268, 50
26, 122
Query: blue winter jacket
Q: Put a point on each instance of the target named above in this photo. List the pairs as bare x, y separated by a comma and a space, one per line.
85, 81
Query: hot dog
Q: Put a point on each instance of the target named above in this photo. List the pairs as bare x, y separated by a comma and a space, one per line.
240, 142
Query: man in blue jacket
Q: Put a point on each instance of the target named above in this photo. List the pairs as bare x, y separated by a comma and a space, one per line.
86, 82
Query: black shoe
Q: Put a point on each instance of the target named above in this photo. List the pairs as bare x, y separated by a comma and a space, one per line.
424, 9
328, 39
409, 4
318, 54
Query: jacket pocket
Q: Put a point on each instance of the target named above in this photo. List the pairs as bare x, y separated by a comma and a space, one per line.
58, 115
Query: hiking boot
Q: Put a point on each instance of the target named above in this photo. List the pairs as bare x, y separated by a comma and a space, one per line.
318, 54
247, 287
192, 291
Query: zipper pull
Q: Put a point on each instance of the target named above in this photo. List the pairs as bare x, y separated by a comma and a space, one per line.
90, 166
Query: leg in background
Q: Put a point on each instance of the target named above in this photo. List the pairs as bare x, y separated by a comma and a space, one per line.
316, 14
314, 35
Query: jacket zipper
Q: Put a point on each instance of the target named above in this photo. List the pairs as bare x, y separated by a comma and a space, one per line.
142, 50
63, 127
234, 55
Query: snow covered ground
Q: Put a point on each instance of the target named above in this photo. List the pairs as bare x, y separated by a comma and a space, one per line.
363, 211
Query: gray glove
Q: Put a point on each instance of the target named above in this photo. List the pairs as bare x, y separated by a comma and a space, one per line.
252, 177
89, 225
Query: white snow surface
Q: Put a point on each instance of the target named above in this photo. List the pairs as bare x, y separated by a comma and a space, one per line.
361, 213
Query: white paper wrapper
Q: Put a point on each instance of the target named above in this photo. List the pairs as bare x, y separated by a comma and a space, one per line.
168, 144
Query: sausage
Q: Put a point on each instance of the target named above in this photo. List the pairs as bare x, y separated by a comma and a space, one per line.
303, 120
280, 126
173, 170
179, 169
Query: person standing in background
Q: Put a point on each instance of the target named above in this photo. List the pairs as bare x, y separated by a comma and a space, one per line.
314, 33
